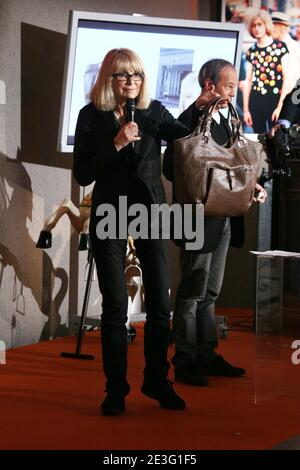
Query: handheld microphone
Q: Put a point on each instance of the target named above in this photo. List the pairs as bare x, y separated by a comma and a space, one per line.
130, 107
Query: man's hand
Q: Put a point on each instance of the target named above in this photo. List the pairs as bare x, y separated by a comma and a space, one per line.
207, 97
273, 130
260, 194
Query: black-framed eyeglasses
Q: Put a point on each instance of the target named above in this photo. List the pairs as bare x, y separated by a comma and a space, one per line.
124, 76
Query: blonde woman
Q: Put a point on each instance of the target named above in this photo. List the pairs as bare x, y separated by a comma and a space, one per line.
124, 159
266, 85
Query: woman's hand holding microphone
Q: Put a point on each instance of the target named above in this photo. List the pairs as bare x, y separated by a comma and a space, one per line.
127, 134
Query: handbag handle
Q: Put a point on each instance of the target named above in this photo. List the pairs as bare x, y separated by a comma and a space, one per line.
206, 120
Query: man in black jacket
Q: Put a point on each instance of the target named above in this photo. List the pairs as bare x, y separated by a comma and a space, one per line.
202, 271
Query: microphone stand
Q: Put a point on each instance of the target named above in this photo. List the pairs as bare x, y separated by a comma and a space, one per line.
77, 354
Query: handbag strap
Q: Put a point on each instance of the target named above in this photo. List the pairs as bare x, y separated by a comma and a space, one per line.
205, 120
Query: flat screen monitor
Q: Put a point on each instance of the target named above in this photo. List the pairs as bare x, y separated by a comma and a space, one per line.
172, 50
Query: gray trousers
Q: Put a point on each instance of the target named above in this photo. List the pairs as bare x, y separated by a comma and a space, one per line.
194, 325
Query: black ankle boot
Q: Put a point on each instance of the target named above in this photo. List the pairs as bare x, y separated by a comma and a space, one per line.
190, 376
113, 404
164, 393
84, 242
45, 239
221, 368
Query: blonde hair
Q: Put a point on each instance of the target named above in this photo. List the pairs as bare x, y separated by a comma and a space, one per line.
264, 16
118, 60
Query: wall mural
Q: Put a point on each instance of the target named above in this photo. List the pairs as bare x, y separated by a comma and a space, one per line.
270, 63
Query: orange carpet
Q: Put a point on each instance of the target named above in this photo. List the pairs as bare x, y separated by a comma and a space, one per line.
48, 402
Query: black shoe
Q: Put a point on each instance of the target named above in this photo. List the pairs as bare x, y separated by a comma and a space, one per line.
190, 376
113, 404
84, 242
45, 239
219, 367
164, 393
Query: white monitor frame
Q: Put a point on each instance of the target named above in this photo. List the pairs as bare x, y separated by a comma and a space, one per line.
77, 17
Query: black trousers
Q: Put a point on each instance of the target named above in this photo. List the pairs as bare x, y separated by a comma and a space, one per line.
110, 262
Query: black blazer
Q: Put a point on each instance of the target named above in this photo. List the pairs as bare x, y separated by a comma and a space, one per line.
213, 226
131, 171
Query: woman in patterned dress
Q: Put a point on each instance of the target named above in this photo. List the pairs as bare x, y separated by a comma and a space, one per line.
266, 85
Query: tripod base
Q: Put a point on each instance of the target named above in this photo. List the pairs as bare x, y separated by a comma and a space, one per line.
77, 355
